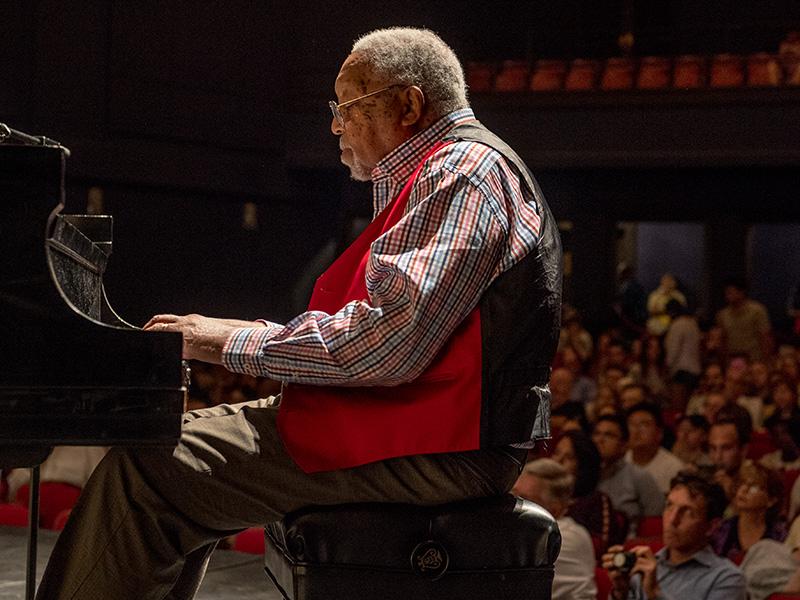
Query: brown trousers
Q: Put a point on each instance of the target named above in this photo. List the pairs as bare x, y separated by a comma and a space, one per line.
148, 519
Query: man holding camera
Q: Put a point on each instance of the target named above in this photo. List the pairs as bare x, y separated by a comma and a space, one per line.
685, 567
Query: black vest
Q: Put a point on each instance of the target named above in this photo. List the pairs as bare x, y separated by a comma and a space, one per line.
520, 321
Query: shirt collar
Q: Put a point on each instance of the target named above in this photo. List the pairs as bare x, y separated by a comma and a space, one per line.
401, 162
705, 557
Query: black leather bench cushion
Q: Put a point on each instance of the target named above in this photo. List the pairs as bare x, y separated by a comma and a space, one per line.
491, 533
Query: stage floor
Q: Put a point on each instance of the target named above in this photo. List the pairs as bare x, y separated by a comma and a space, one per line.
231, 575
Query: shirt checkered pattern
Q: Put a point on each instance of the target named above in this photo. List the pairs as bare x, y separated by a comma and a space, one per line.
468, 219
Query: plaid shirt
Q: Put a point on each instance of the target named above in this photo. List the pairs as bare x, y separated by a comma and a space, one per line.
468, 219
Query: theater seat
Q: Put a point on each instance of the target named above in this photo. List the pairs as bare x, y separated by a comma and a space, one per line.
500, 548
650, 527
603, 582
250, 541
54, 497
13, 515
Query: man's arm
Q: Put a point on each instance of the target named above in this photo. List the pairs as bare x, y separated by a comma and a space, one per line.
423, 278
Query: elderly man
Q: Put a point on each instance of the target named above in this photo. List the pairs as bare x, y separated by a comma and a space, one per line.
686, 567
418, 374
547, 483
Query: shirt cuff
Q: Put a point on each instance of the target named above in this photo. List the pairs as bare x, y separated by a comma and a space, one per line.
242, 352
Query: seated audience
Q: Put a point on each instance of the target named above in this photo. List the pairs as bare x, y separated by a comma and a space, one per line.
691, 439
632, 490
590, 507
757, 505
685, 568
646, 430
727, 448
547, 483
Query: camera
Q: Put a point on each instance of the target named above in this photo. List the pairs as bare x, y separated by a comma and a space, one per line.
623, 561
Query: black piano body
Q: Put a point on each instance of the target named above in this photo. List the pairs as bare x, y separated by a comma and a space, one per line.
72, 372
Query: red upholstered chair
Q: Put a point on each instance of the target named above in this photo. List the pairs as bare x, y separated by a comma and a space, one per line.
603, 582
650, 527
13, 515
784, 596
61, 519
760, 444
250, 541
54, 497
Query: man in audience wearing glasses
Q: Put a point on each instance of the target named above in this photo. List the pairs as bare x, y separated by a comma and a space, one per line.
394, 390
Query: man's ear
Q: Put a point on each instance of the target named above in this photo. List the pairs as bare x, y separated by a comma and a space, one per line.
413, 106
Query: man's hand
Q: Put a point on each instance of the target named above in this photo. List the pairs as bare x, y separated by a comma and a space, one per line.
203, 337
645, 564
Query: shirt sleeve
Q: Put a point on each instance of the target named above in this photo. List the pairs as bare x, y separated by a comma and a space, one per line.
423, 277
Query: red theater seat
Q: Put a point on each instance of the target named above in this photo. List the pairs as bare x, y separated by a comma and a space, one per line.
603, 582
650, 527
54, 497
655, 544
250, 541
13, 515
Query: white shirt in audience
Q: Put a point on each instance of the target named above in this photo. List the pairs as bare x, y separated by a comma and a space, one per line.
574, 568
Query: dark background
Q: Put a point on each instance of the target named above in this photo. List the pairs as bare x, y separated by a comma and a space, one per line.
182, 112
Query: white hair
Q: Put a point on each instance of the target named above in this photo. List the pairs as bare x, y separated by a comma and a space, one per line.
417, 57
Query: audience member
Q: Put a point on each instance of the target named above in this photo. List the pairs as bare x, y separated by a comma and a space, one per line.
659, 321
561, 381
631, 489
646, 429
632, 394
768, 569
760, 379
590, 507
685, 567
682, 354
745, 322
727, 448
757, 506
573, 334
584, 389
713, 348
713, 380
569, 416
650, 370
547, 483
691, 439
784, 427
737, 389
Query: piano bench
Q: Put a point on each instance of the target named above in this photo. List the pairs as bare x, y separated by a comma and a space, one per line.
500, 548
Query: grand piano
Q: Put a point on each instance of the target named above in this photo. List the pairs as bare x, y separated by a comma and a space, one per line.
72, 372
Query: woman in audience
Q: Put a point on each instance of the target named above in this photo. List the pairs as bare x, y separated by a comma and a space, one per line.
591, 508
757, 506
691, 437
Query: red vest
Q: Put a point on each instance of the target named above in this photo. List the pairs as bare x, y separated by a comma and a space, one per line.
326, 428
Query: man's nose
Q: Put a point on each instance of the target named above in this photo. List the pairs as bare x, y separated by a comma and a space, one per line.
336, 127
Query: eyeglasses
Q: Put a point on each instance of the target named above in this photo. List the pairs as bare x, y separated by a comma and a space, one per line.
336, 108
